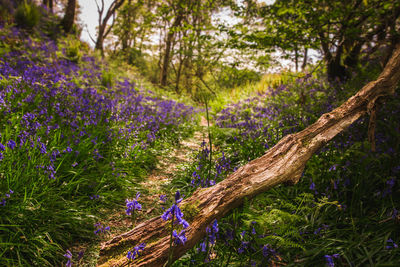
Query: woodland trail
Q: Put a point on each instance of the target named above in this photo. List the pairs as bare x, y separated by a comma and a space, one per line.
154, 184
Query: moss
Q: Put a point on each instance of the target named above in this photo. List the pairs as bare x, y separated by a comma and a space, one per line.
190, 210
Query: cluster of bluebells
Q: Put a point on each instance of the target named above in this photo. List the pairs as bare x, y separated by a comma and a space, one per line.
132, 205
7, 195
205, 177
175, 214
68, 255
330, 259
40, 87
101, 228
134, 253
211, 237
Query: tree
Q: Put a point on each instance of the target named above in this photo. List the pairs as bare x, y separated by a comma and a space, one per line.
339, 29
284, 163
68, 20
190, 41
180, 10
103, 28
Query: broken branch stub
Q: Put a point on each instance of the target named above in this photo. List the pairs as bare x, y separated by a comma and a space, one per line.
283, 163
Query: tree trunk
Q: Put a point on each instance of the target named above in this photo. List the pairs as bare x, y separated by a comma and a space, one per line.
284, 163
168, 46
103, 30
68, 21
305, 58
100, 38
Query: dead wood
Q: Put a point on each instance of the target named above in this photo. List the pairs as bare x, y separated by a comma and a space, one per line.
284, 163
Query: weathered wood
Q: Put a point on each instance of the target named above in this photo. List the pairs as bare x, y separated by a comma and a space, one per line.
284, 163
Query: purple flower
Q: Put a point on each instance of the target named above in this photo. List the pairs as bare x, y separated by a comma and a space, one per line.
202, 247
68, 255
312, 186
100, 228
178, 198
329, 259
11, 144
333, 167
2, 147
133, 204
135, 252
175, 212
391, 244
212, 231
243, 246
163, 198
43, 148
180, 238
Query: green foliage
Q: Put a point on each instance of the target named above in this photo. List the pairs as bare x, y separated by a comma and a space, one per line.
27, 15
346, 203
107, 78
73, 50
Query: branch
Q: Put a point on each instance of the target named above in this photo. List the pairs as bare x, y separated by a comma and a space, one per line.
284, 163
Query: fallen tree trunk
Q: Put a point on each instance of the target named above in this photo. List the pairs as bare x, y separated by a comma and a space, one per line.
284, 163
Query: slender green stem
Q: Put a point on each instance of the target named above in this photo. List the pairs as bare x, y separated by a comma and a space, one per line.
209, 137
170, 241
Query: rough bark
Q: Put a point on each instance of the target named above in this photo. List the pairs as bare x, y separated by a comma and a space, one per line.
103, 30
284, 163
168, 48
68, 20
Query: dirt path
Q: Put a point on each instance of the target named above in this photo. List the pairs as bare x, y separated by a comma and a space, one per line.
169, 163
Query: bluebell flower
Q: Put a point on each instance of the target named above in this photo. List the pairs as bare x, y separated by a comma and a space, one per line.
202, 247
68, 255
243, 246
133, 204
2, 147
163, 198
329, 259
180, 238
11, 144
212, 231
312, 186
391, 244
175, 212
100, 228
135, 252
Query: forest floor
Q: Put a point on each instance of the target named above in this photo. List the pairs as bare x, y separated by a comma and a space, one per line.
169, 163
155, 184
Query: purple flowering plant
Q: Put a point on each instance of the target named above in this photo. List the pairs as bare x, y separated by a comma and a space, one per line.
60, 130
175, 215
131, 206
